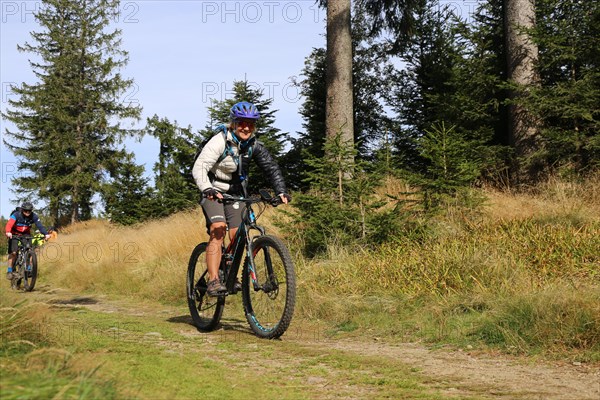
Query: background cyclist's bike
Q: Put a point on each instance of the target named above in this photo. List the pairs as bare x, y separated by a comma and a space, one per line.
25, 264
268, 277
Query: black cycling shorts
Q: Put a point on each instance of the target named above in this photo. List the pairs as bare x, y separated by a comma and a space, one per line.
217, 212
13, 245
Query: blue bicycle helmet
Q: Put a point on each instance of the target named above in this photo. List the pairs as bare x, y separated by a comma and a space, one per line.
243, 109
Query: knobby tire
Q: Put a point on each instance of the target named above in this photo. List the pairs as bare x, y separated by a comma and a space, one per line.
30, 276
206, 311
269, 312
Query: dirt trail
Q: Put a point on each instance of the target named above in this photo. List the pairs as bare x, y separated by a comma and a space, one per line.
496, 376
454, 373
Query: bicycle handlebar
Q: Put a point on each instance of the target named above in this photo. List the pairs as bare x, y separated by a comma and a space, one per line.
22, 237
265, 197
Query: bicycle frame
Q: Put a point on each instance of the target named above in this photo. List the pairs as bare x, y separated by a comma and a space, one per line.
25, 244
235, 250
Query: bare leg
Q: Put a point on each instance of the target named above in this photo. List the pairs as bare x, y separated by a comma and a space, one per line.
213, 251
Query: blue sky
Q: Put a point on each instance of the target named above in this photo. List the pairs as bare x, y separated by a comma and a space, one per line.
182, 54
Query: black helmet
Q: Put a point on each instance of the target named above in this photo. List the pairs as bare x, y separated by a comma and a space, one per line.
26, 206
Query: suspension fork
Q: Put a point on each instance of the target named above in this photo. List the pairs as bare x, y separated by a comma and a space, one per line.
251, 252
271, 283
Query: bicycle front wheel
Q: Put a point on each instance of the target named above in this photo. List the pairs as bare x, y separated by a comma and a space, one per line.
30, 272
269, 288
206, 311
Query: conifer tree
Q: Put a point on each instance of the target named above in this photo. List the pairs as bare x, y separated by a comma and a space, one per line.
266, 132
128, 198
453, 163
339, 115
423, 90
174, 185
309, 142
568, 100
521, 57
370, 122
68, 121
450, 76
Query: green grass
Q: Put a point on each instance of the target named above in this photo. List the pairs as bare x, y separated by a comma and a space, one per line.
558, 320
34, 366
55, 383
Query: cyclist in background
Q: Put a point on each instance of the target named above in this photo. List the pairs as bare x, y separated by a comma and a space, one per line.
39, 239
222, 167
19, 223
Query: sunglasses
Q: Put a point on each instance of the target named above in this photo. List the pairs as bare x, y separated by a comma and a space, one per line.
246, 123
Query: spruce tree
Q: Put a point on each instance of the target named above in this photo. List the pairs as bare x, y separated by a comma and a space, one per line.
128, 198
339, 104
522, 59
481, 73
568, 100
453, 163
371, 124
266, 132
450, 76
174, 185
309, 142
68, 122
426, 89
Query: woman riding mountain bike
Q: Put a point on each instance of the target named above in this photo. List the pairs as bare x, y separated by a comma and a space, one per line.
222, 167
268, 275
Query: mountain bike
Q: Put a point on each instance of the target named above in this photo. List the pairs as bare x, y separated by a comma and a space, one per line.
268, 277
25, 264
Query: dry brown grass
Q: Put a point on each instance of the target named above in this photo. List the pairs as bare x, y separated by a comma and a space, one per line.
553, 197
147, 260
23, 325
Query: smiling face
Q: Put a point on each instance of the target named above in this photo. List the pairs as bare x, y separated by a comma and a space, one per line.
244, 128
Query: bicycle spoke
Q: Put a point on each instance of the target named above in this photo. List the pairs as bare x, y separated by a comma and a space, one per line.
30, 271
205, 311
269, 308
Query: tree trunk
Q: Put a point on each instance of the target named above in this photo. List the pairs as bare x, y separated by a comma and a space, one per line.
76, 187
54, 212
339, 118
522, 57
74, 210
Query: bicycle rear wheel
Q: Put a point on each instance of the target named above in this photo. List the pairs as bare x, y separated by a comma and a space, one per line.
270, 306
206, 311
30, 272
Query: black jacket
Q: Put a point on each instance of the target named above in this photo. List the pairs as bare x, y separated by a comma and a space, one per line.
267, 164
